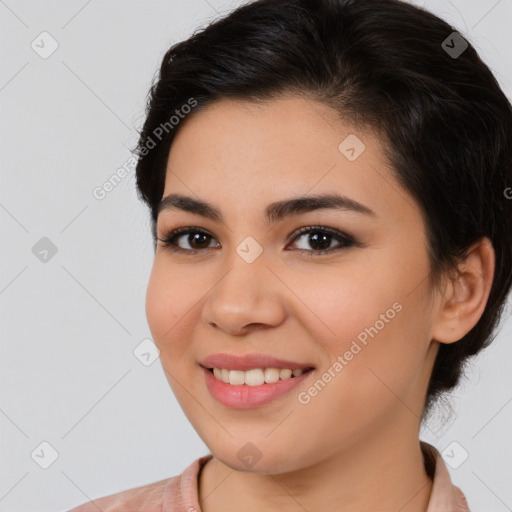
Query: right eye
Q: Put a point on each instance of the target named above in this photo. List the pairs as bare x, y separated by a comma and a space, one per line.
197, 239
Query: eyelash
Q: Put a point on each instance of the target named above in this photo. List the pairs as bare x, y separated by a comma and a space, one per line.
169, 241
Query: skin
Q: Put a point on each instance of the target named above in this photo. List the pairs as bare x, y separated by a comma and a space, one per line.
355, 445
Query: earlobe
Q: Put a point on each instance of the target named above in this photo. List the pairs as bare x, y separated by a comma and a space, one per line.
466, 294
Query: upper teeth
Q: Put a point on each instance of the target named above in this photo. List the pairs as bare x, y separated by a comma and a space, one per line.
254, 377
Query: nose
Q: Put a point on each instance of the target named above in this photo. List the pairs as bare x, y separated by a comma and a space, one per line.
246, 296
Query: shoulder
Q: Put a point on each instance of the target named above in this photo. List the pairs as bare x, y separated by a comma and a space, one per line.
170, 495
445, 496
150, 498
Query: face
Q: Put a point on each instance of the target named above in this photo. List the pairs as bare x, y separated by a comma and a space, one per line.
341, 289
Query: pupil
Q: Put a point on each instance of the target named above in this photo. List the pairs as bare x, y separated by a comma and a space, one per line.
315, 237
196, 239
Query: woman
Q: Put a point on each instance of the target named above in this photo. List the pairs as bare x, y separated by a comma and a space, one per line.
333, 240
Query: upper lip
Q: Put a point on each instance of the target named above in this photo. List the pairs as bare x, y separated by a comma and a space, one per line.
250, 361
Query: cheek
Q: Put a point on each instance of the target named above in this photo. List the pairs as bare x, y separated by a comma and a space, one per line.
375, 332
170, 300
379, 366
348, 301
369, 299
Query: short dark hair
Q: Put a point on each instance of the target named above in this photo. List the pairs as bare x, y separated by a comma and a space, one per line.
385, 64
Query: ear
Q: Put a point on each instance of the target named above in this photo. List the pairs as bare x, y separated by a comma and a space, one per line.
466, 293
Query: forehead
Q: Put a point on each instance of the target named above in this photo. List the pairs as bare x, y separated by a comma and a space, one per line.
274, 129
240, 139
252, 154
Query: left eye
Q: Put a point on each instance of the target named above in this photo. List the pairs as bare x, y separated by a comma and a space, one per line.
319, 238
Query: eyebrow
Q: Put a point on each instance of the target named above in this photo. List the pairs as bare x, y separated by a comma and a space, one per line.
274, 212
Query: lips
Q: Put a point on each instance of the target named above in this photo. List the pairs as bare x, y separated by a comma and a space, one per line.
247, 397
250, 361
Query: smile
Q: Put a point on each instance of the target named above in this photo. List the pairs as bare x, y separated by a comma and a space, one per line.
256, 376
246, 389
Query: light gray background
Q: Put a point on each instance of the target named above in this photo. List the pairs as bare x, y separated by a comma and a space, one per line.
69, 326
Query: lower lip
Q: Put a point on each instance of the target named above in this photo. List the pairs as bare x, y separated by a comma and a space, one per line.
243, 396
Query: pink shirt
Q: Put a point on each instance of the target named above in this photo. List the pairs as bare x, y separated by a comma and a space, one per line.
180, 493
